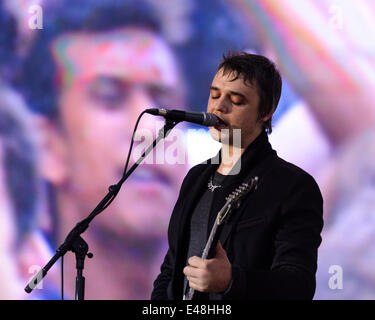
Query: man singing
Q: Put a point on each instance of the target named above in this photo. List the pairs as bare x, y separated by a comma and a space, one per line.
268, 247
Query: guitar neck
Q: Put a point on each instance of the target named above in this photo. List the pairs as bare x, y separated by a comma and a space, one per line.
214, 234
211, 243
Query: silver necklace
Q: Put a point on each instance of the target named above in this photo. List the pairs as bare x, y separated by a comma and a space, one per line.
211, 186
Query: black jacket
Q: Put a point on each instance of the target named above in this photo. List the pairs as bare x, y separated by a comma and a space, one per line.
271, 240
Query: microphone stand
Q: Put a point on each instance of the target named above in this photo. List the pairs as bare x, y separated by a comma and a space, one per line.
75, 243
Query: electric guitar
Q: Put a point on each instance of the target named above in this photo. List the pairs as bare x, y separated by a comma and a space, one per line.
233, 201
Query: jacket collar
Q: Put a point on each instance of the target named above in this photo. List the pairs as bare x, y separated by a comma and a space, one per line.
255, 152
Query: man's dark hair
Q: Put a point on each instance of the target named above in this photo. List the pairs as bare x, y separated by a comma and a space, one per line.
38, 78
259, 71
8, 38
19, 164
18, 151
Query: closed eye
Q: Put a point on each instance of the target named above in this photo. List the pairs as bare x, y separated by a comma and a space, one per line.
237, 103
237, 98
214, 93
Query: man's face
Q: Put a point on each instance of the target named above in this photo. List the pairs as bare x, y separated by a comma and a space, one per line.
236, 103
107, 80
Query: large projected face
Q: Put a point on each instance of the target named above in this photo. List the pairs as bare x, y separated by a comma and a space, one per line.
107, 80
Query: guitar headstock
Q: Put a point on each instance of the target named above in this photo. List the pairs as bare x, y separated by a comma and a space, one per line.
241, 191
234, 199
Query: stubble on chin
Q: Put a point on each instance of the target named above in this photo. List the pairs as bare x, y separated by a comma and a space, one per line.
223, 136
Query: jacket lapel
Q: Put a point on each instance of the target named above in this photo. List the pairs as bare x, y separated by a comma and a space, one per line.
235, 216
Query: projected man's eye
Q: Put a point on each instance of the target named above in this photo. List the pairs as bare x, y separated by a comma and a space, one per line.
107, 92
160, 96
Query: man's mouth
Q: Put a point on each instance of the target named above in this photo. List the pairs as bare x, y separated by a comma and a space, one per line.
150, 174
221, 124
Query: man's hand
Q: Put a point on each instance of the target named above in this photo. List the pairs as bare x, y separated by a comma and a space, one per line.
209, 275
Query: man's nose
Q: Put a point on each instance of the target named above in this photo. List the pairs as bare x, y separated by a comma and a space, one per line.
139, 100
222, 105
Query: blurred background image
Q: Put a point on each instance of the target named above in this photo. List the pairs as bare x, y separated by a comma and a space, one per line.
74, 77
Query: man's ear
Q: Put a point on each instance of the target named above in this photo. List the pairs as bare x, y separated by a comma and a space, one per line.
52, 151
268, 116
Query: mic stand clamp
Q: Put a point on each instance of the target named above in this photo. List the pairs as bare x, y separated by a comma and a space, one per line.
80, 248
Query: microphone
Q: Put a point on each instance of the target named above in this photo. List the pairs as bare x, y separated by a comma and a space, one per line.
202, 118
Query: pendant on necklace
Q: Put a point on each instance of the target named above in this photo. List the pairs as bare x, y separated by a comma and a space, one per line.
212, 186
